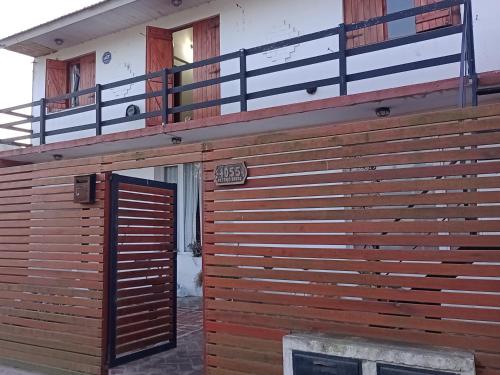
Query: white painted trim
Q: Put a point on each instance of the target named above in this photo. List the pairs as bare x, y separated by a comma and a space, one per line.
69, 19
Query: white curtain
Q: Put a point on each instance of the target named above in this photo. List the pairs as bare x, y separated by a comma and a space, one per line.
171, 174
191, 200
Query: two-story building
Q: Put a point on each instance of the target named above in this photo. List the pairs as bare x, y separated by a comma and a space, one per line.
326, 169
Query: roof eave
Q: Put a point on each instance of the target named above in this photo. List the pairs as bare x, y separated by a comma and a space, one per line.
19, 42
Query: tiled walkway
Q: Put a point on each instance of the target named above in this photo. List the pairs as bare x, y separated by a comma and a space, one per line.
186, 359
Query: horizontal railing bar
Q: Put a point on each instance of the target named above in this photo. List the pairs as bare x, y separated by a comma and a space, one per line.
11, 113
415, 38
17, 144
207, 104
66, 130
403, 14
295, 40
75, 94
18, 138
293, 64
293, 88
202, 63
21, 106
70, 112
20, 130
128, 81
428, 63
132, 98
140, 116
11, 125
209, 82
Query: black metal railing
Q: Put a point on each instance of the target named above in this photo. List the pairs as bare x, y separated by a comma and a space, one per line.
465, 57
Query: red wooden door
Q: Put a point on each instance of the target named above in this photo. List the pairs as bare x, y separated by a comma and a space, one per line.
87, 78
206, 44
357, 11
56, 83
159, 55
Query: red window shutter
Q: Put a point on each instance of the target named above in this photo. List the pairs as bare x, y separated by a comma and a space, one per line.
87, 77
436, 19
206, 44
159, 55
362, 10
56, 83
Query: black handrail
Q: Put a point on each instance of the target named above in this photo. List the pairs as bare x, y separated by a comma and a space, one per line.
465, 57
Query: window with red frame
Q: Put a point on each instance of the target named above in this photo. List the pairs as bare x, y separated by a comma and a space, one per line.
68, 76
361, 10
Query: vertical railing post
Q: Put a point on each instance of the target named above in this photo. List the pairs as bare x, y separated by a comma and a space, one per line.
243, 80
43, 106
98, 110
471, 62
342, 59
463, 60
164, 97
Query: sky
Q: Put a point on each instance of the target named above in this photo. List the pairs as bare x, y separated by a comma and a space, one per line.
15, 69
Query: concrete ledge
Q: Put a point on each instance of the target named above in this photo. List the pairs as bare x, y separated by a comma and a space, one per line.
371, 352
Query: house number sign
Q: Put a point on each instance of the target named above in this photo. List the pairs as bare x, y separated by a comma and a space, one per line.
231, 174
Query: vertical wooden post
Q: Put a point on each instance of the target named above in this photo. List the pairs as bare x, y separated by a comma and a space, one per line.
106, 274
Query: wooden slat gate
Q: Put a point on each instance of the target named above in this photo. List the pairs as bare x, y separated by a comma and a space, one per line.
142, 257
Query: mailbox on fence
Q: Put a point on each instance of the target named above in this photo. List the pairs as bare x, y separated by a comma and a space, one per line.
84, 189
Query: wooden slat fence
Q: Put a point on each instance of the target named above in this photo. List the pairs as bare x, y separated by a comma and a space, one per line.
386, 229
51, 273
52, 261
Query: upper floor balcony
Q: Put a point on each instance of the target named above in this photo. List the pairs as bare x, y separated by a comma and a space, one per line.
179, 99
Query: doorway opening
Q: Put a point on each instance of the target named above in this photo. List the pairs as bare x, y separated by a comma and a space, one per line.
169, 48
158, 317
183, 54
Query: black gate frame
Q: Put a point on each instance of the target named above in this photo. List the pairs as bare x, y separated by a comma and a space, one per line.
113, 360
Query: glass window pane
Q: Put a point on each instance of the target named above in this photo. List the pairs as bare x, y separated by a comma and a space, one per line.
402, 27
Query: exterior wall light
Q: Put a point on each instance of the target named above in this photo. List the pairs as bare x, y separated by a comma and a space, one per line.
383, 111
132, 110
58, 41
176, 140
57, 157
176, 3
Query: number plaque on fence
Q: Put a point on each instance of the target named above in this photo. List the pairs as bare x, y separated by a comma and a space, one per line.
231, 174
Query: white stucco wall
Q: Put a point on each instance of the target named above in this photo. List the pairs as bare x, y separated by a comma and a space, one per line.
249, 23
